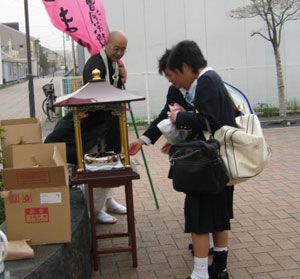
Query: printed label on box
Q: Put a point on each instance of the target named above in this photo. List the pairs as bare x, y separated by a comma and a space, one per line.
50, 198
41, 177
26, 198
14, 198
36, 215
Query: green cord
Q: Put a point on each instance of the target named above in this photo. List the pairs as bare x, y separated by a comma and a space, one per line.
144, 158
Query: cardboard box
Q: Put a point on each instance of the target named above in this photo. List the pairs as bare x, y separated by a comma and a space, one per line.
24, 130
38, 205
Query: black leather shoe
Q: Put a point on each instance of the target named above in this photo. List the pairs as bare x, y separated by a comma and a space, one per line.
217, 270
191, 278
221, 275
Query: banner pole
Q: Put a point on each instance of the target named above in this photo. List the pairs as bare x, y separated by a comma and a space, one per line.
143, 155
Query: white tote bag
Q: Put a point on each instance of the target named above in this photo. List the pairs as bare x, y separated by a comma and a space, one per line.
244, 150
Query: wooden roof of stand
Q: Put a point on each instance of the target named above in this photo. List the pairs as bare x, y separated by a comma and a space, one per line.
97, 92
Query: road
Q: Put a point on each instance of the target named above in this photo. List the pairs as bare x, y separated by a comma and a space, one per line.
14, 99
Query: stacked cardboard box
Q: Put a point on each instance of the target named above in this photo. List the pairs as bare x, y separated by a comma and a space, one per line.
35, 176
19, 131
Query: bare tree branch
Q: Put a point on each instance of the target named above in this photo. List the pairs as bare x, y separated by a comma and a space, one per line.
274, 14
260, 34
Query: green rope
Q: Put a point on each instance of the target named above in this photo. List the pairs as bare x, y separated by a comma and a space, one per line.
143, 155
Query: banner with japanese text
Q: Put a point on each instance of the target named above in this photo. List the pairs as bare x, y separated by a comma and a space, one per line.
83, 20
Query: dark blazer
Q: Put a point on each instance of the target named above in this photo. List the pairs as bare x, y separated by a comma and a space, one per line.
211, 102
173, 96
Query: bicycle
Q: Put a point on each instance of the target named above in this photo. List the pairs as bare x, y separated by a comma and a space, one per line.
48, 103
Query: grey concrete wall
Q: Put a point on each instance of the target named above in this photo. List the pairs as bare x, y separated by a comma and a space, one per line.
246, 62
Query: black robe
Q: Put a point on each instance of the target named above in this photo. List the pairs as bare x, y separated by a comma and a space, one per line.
97, 128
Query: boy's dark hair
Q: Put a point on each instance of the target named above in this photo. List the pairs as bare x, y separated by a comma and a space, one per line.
186, 52
162, 62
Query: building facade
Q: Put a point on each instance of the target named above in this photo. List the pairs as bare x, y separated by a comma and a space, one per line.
244, 61
14, 54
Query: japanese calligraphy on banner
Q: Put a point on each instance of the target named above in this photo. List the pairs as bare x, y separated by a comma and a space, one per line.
83, 20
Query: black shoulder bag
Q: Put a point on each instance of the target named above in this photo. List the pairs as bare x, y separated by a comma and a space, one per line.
196, 166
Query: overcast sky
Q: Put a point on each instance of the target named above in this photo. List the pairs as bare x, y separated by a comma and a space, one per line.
39, 22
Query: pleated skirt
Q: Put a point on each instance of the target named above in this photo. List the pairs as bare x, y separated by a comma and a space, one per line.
208, 213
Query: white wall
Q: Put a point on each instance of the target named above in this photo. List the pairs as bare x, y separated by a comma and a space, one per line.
1, 74
246, 62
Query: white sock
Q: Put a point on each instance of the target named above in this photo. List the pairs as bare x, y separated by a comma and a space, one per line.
220, 249
111, 203
200, 268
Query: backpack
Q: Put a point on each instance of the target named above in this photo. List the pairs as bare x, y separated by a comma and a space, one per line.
244, 150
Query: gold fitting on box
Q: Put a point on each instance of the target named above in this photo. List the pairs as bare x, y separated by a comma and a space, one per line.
96, 74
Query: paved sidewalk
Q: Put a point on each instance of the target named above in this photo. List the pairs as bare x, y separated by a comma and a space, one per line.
265, 237
14, 99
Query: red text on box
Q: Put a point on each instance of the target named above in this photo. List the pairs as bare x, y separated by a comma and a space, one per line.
27, 178
36, 215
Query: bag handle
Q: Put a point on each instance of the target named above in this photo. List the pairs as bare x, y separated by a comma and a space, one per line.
209, 129
173, 157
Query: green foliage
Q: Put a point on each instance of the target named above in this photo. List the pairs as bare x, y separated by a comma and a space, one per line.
59, 113
266, 110
293, 105
1, 131
53, 65
43, 60
138, 123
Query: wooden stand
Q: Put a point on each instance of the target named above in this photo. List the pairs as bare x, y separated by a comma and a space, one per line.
98, 94
110, 179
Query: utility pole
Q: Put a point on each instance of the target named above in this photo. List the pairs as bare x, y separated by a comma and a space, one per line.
29, 73
74, 59
65, 62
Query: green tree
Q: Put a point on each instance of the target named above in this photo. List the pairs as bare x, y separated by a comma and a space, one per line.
44, 64
274, 14
54, 65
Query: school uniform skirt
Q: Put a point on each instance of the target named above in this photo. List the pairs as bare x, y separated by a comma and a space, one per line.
208, 213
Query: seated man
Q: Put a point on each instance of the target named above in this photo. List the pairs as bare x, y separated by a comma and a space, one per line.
100, 129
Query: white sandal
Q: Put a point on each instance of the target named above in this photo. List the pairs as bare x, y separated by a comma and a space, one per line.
115, 207
103, 218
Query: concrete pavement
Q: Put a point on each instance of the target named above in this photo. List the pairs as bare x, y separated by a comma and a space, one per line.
265, 238
14, 99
